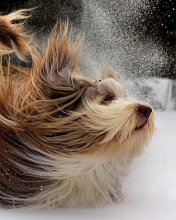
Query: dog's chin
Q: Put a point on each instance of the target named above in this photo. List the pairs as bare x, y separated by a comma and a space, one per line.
141, 136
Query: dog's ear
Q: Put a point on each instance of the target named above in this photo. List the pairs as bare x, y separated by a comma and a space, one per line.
83, 82
109, 72
12, 36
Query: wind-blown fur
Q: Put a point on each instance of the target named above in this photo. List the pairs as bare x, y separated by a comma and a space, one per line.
66, 140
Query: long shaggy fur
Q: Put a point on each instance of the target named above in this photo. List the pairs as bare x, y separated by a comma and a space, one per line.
66, 140
13, 37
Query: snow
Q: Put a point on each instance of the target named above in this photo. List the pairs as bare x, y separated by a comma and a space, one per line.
159, 92
150, 189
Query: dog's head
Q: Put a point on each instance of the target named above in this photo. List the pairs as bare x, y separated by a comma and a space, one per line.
109, 122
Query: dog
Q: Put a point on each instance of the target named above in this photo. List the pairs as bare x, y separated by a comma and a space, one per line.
66, 139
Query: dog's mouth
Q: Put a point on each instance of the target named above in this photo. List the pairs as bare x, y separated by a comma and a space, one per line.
141, 126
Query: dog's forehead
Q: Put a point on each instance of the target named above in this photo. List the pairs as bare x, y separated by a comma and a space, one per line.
111, 86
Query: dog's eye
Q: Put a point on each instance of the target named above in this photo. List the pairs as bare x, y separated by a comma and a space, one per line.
107, 99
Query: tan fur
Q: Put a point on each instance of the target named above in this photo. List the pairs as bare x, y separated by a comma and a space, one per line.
12, 36
66, 139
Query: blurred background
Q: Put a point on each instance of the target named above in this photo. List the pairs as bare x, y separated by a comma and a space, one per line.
136, 37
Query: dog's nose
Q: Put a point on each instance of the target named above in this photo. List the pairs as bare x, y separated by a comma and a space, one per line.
144, 111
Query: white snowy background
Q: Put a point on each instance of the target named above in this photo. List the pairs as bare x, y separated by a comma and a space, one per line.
150, 188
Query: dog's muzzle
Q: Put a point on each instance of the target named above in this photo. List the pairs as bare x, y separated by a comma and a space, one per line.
143, 113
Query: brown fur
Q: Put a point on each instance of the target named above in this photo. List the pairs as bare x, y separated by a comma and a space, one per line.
12, 36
